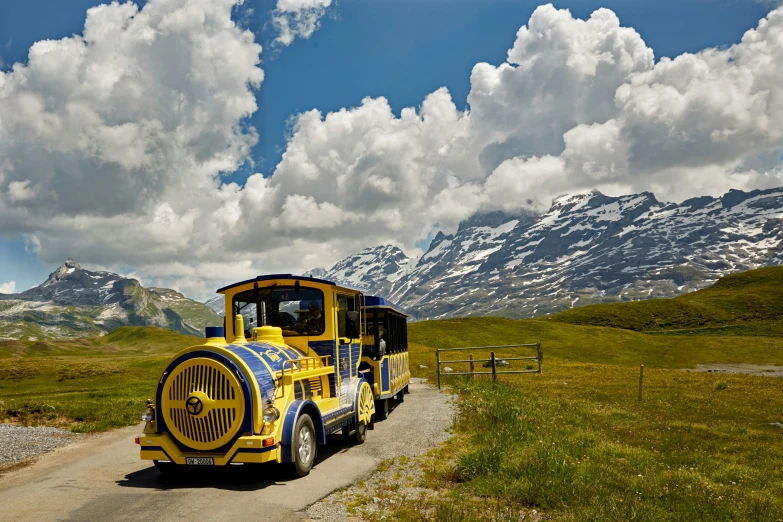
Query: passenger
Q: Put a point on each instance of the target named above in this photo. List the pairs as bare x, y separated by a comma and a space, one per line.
315, 322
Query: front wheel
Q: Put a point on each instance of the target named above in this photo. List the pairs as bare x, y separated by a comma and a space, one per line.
304, 445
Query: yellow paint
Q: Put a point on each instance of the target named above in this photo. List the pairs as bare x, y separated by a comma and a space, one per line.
202, 403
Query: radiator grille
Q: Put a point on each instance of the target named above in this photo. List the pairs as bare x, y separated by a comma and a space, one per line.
202, 404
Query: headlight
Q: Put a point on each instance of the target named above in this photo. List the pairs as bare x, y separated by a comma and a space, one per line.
148, 414
270, 414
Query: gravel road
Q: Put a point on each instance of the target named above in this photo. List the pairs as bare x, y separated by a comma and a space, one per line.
18, 443
100, 477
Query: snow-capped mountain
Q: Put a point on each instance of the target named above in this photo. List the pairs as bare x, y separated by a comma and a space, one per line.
373, 269
217, 304
587, 248
74, 302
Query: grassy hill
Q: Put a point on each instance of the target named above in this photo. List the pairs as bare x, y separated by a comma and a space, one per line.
745, 303
126, 340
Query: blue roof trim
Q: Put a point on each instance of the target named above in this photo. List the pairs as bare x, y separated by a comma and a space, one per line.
277, 276
374, 301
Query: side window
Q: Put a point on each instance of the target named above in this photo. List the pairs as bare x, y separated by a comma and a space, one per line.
345, 303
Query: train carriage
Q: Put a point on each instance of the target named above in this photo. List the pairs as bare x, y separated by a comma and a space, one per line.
385, 353
281, 375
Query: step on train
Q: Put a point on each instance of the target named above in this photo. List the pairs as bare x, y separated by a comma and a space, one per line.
297, 359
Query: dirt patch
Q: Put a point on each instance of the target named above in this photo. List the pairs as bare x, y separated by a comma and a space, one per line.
768, 370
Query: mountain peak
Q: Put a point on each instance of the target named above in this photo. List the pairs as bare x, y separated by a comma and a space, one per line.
64, 270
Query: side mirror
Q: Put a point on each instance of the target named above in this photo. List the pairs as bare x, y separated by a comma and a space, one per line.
353, 325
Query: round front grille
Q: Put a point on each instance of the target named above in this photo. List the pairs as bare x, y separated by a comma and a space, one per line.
202, 404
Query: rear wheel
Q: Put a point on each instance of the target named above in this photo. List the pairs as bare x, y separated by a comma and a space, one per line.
400, 396
169, 468
304, 445
382, 409
360, 435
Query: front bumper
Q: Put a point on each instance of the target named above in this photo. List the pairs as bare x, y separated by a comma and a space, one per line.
246, 449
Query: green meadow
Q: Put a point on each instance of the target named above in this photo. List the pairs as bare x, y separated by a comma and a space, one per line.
573, 443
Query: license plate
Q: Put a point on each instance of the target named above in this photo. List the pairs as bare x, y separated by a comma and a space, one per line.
202, 461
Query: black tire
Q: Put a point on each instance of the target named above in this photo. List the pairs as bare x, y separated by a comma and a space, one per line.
304, 447
407, 391
360, 434
355, 433
170, 468
382, 409
400, 396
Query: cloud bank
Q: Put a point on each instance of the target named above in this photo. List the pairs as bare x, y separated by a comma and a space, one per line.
8, 288
112, 143
297, 19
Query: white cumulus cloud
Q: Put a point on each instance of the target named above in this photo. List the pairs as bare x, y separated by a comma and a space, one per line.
8, 288
297, 19
112, 143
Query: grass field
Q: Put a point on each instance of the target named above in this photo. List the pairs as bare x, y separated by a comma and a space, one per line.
86, 385
573, 443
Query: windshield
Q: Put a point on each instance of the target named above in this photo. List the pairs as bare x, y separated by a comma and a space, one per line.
297, 310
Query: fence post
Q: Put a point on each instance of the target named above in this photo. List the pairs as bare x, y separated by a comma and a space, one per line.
437, 354
540, 358
494, 369
641, 380
472, 369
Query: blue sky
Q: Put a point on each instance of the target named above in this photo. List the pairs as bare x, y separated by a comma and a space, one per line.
399, 49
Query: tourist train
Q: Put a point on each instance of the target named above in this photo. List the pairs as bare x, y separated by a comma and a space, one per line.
297, 359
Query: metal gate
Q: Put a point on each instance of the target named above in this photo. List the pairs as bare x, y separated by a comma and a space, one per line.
539, 357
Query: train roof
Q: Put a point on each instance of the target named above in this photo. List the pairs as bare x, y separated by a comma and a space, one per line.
270, 277
374, 301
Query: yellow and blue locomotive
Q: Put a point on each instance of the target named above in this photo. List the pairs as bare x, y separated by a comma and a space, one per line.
282, 374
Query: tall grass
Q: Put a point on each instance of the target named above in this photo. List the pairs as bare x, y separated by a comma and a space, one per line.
575, 444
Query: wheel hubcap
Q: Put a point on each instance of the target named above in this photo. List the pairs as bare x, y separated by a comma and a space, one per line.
305, 445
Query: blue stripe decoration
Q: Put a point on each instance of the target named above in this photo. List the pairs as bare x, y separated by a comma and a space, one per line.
385, 374
356, 354
261, 373
272, 355
345, 362
322, 347
157, 448
326, 348
249, 450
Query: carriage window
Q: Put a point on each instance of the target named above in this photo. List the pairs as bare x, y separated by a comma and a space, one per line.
297, 310
345, 303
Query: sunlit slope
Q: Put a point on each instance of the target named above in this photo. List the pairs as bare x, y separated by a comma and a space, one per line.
127, 340
738, 299
590, 343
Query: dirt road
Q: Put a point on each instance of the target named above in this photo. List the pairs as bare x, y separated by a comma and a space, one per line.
102, 478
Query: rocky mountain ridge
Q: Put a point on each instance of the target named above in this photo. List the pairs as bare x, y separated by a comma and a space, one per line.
587, 248
74, 302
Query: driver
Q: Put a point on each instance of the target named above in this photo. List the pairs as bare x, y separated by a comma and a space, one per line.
315, 321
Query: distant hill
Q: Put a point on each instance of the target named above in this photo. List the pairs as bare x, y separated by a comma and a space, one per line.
74, 302
126, 340
734, 300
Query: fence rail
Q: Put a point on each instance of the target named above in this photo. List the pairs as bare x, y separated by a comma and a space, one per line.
539, 357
